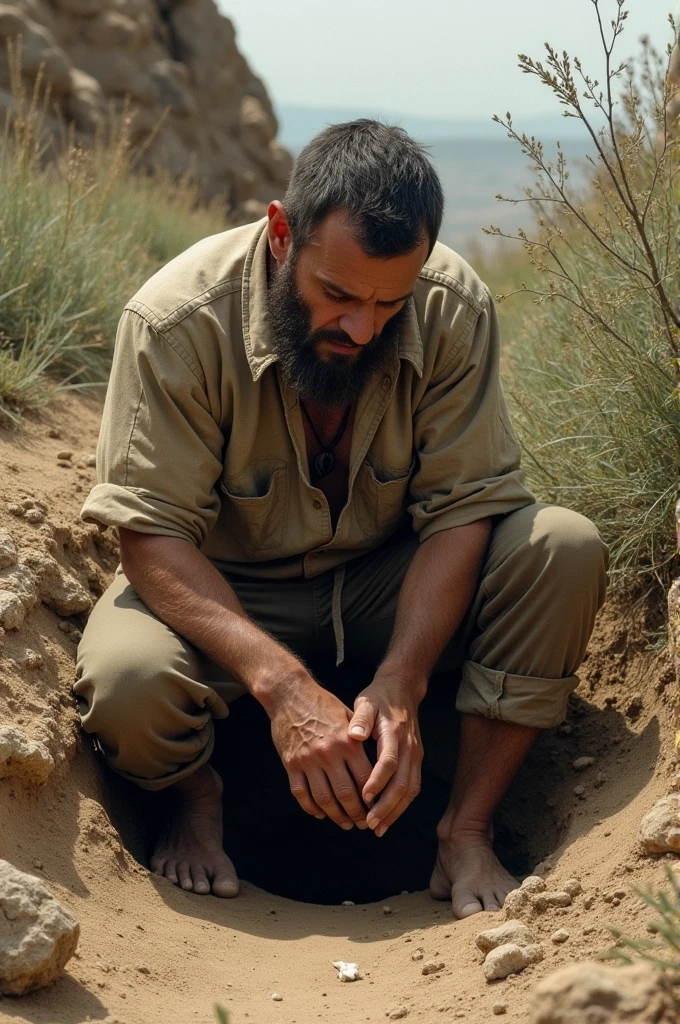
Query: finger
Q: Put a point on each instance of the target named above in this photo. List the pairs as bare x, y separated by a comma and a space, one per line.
359, 766
363, 720
300, 790
399, 793
347, 796
323, 797
385, 767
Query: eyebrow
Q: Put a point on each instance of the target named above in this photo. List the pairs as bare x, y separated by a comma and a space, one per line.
348, 295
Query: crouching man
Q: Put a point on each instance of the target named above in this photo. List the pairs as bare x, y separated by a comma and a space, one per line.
305, 449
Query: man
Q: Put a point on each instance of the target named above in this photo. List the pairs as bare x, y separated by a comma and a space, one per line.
286, 398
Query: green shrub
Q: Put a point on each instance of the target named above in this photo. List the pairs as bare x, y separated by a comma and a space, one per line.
663, 951
79, 233
593, 368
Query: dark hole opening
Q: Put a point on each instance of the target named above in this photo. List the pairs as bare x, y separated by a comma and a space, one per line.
280, 849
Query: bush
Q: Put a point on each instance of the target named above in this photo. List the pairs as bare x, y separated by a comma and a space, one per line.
593, 369
79, 233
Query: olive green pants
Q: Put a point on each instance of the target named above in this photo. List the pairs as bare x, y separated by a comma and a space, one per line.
149, 697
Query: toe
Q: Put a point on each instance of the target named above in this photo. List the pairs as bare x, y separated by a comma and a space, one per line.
201, 885
465, 902
170, 871
490, 903
184, 874
157, 865
225, 883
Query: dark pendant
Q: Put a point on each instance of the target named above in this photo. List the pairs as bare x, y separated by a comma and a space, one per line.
324, 463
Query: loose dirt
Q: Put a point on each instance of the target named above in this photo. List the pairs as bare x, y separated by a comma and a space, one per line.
150, 953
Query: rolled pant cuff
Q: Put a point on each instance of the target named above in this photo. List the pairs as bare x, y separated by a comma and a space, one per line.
164, 781
525, 700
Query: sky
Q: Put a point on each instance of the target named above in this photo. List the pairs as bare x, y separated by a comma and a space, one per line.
437, 58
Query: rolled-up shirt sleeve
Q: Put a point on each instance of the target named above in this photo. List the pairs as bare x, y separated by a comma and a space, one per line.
467, 457
160, 446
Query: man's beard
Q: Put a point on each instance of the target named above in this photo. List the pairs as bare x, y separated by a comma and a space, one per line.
339, 379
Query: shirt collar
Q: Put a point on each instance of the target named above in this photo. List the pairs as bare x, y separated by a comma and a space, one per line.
257, 336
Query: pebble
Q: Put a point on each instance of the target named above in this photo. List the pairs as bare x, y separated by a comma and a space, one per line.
276, 997
37, 864
499, 1009
588, 902
583, 762
560, 936
589, 930
579, 790
432, 967
34, 516
572, 886
387, 910
348, 903
53, 432
90, 460
65, 455
144, 970
397, 1013
417, 956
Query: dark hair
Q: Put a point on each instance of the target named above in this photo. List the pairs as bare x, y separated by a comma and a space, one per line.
379, 175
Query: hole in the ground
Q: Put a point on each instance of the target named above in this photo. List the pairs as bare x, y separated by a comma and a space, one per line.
280, 849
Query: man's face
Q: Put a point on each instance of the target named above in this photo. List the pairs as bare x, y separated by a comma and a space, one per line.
335, 313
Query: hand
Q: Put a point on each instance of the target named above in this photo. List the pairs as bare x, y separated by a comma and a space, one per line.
389, 713
327, 768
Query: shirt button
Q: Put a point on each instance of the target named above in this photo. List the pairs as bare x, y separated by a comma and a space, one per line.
316, 503
387, 381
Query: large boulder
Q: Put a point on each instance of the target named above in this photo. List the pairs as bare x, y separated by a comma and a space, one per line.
591, 993
37, 935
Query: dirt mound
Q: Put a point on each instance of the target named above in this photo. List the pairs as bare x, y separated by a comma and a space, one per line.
149, 952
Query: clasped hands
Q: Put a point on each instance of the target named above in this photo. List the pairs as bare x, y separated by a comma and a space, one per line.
321, 744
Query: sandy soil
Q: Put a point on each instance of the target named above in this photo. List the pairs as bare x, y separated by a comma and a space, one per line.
151, 953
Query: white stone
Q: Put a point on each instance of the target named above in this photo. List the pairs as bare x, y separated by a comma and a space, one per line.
12, 611
22, 758
512, 931
534, 883
583, 762
510, 959
572, 886
516, 903
560, 936
37, 936
660, 827
346, 971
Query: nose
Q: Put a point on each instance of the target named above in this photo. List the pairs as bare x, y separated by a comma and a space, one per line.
359, 324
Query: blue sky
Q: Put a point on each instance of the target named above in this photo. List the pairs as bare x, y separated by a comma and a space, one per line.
438, 58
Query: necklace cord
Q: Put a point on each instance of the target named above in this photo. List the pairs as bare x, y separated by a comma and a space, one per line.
338, 434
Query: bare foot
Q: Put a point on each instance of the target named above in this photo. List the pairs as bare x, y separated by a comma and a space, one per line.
189, 850
469, 874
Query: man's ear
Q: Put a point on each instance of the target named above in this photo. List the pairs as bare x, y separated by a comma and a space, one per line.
278, 231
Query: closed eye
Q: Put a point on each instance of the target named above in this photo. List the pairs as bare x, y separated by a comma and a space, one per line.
348, 298
336, 298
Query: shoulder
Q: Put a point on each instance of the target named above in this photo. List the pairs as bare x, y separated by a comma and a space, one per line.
208, 271
447, 276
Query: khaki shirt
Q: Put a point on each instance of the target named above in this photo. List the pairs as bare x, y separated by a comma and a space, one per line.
203, 440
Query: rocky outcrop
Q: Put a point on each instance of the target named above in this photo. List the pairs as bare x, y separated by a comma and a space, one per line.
606, 995
37, 936
197, 107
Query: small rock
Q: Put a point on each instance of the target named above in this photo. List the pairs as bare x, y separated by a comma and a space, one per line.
23, 758
565, 730
276, 997
37, 864
348, 903
579, 790
589, 930
12, 610
660, 827
386, 911
510, 959
63, 464
619, 894
65, 455
588, 902
8, 549
432, 967
572, 886
37, 936
90, 460
516, 903
397, 1013
533, 883
499, 1009
583, 762
512, 931
144, 970
34, 516
31, 659
346, 971
560, 936
53, 432
599, 780
418, 955
551, 899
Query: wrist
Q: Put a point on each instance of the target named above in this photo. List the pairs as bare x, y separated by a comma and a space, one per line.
275, 684
400, 684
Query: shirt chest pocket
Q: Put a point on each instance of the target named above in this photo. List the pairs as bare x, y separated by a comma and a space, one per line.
381, 495
255, 505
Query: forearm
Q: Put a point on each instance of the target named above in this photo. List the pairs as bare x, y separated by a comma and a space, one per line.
436, 593
187, 592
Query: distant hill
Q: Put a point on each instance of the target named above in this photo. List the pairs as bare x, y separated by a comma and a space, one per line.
475, 160
299, 124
